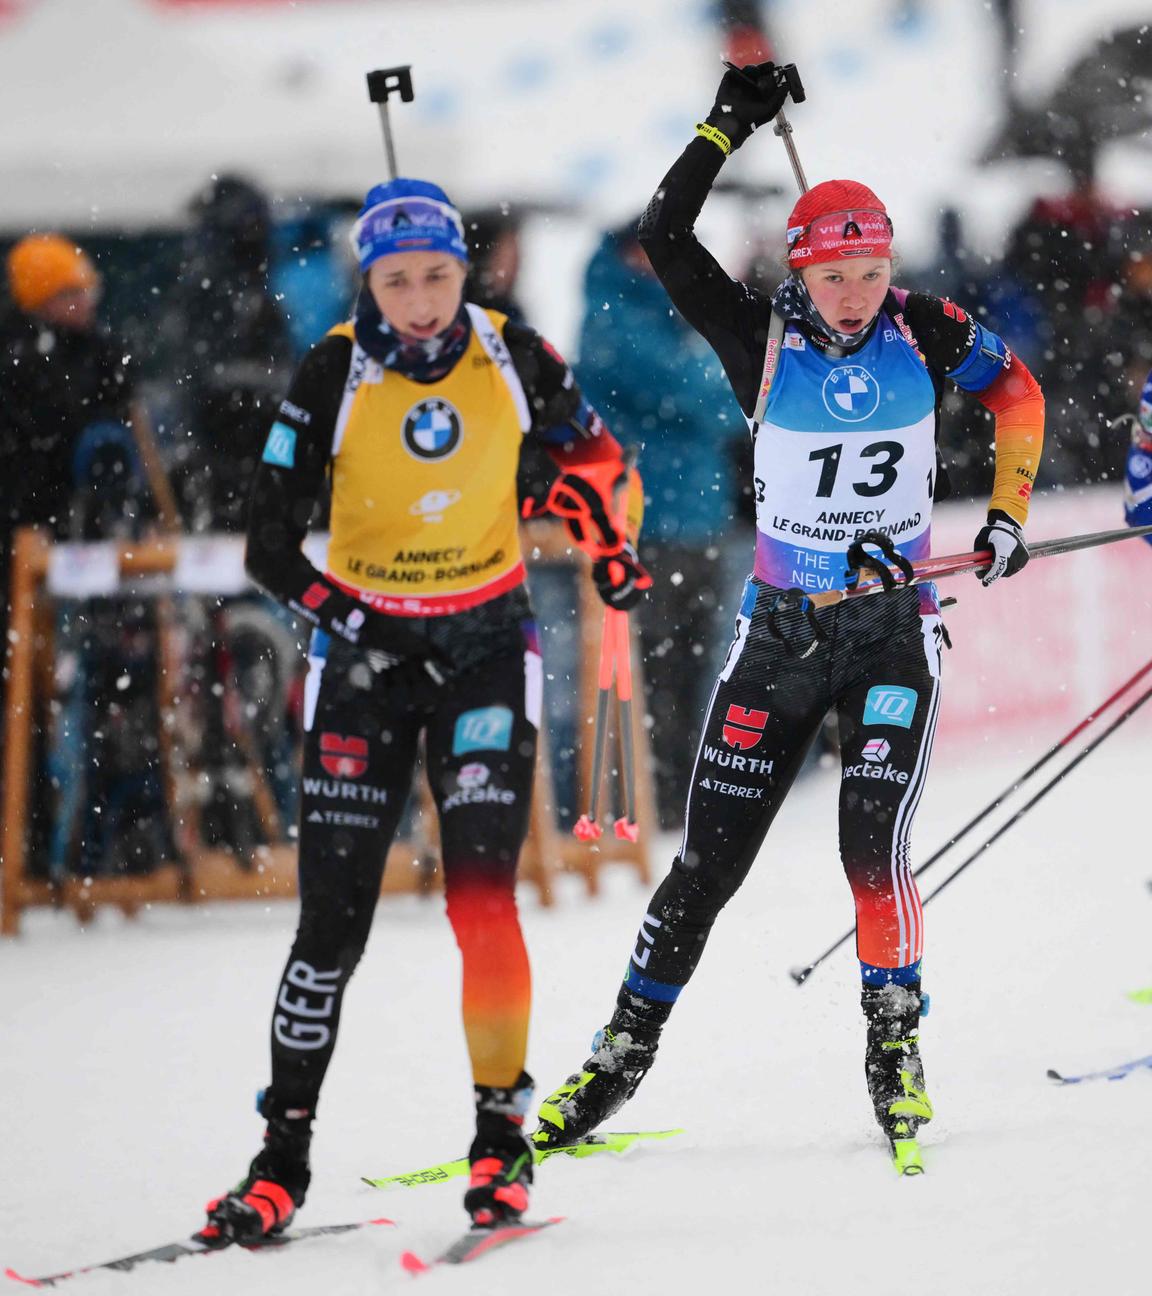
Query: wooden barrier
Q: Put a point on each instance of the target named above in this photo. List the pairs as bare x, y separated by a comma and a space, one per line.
206, 873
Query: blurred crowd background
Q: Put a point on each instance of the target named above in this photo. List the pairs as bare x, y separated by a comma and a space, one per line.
143, 352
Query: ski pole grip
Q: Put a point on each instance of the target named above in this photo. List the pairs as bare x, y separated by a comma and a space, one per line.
792, 80
388, 81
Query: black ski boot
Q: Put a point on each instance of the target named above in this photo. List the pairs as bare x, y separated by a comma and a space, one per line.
500, 1157
892, 1062
266, 1201
620, 1060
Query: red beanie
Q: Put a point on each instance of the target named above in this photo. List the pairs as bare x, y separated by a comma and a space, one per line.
838, 218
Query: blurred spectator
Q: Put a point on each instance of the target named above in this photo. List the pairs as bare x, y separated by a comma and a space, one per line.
744, 24
314, 273
60, 371
494, 247
1007, 15
75, 450
493, 235
229, 340
230, 345
656, 382
1125, 343
1055, 302
66, 403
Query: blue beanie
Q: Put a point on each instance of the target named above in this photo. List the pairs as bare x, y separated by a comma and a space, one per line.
407, 216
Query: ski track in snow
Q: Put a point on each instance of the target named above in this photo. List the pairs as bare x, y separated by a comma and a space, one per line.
132, 1051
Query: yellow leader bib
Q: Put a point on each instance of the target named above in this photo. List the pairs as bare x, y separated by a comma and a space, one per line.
424, 516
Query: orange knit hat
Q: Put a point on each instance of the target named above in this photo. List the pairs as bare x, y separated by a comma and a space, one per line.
42, 265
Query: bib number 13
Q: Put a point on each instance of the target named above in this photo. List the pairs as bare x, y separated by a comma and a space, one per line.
881, 474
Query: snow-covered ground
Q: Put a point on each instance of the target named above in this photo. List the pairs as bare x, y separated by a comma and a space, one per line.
131, 1051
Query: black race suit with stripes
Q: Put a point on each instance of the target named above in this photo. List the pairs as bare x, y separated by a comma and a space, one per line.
876, 664
365, 715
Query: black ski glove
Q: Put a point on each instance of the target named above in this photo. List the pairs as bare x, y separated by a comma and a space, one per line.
621, 581
747, 99
1005, 537
390, 643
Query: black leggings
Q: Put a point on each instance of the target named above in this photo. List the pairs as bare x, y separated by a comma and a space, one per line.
879, 667
363, 729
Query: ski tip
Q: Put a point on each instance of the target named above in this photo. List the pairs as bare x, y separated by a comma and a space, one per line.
906, 1157
383, 1219
1055, 1075
16, 1277
411, 1263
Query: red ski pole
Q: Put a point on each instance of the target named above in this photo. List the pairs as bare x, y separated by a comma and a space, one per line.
626, 827
615, 668
586, 828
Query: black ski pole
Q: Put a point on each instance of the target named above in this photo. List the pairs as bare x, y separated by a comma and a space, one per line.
783, 127
1091, 747
785, 75
800, 975
382, 83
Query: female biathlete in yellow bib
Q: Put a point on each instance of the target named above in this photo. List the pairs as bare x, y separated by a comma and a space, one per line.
416, 410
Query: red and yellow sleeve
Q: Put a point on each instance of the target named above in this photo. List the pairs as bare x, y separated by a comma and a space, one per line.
1016, 400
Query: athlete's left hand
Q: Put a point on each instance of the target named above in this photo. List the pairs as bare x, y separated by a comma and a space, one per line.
1005, 537
747, 98
621, 580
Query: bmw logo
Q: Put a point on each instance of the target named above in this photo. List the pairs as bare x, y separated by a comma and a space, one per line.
851, 393
432, 430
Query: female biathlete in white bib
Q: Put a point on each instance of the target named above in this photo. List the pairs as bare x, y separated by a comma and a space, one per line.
846, 445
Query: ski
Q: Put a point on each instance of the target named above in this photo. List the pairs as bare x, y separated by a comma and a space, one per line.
906, 1156
1109, 1073
174, 1251
590, 1145
477, 1242
1141, 996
